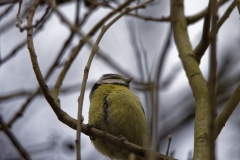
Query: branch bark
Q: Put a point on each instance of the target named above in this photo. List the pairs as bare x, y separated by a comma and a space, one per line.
196, 80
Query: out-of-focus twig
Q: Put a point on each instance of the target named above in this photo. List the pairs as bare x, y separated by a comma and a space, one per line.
77, 14
238, 5
4, 2
19, 20
23, 93
156, 107
6, 10
169, 143
24, 42
14, 140
73, 28
11, 23
213, 76
86, 16
162, 19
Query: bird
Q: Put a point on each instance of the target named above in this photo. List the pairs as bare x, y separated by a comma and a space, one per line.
115, 109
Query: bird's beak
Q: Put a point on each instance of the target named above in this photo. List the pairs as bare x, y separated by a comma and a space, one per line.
129, 80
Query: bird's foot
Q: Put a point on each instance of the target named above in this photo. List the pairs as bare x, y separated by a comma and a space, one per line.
120, 141
89, 126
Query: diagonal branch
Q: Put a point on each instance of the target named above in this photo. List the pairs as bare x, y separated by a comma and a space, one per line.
14, 140
227, 112
62, 116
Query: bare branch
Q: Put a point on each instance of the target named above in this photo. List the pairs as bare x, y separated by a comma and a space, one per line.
204, 42
227, 112
163, 19
7, 10
196, 80
106, 137
194, 18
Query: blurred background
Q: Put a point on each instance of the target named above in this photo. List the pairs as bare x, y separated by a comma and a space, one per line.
133, 47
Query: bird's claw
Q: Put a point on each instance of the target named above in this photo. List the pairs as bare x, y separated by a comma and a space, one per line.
89, 126
120, 141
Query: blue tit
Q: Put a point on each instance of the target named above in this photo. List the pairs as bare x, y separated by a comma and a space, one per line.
115, 109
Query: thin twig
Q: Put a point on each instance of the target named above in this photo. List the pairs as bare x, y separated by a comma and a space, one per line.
7, 10
19, 20
11, 22
14, 140
24, 42
73, 28
137, 52
169, 143
78, 151
86, 16
77, 15
162, 19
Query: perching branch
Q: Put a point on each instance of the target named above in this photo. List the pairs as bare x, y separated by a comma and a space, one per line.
133, 148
